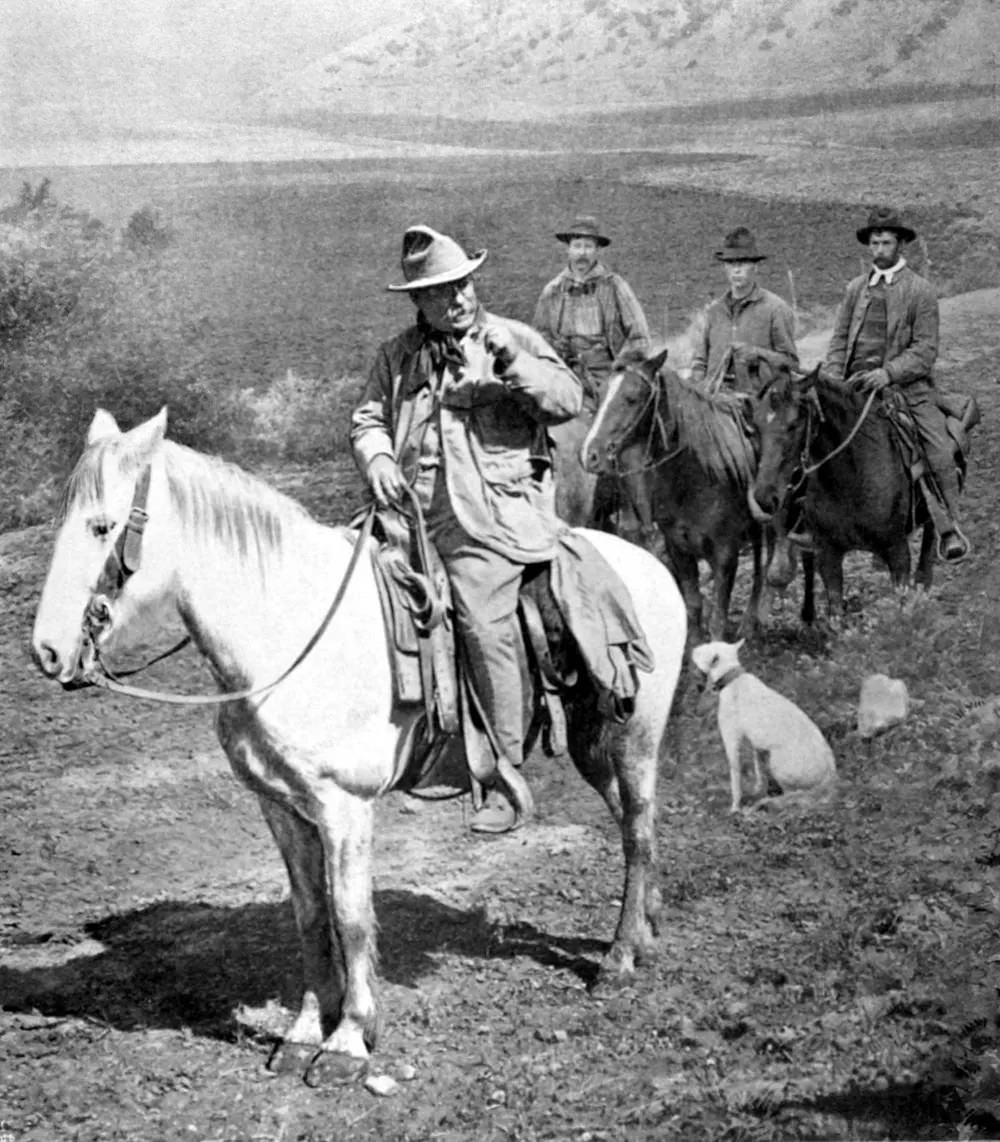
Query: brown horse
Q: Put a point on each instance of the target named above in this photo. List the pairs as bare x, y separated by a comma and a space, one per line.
833, 447
697, 454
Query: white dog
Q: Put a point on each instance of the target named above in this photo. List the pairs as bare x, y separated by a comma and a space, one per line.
798, 756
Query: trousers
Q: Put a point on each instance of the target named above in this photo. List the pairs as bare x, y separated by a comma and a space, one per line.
485, 587
938, 446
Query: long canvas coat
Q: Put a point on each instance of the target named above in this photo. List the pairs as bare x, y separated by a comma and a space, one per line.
494, 447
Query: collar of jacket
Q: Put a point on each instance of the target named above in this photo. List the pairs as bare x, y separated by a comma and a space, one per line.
735, 304
587, 284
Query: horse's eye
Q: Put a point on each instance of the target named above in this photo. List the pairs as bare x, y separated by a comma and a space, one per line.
100, 527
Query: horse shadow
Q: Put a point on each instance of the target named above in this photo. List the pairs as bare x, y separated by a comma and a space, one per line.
175, 965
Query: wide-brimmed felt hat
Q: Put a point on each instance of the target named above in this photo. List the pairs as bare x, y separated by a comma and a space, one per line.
740, 245
584, 226
885, 218
431, 259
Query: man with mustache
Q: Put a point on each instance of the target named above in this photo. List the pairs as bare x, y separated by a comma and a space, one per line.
591, 317
456, 408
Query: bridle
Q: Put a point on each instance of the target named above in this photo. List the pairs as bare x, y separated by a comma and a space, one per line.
656, 429
123, 560
814, 417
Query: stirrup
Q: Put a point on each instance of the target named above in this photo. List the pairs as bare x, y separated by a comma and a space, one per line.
955, 556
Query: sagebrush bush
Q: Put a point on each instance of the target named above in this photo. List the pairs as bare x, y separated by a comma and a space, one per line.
89, 319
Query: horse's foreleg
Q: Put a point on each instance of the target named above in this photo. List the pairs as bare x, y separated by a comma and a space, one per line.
302, 851
808, 613
831, 570
897, 559
725, 577
635, 935
685, 569
758, 605
346, 827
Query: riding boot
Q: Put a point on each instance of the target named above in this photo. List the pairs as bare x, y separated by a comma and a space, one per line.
496, 814
941, 495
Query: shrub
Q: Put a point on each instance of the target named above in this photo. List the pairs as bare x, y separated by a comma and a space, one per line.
145, 233
299, 418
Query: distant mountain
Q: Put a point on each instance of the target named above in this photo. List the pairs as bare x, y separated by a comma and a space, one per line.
519, 57
80, 69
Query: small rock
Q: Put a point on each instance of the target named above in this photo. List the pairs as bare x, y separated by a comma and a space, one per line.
382, 1085
884, 703
406, 1072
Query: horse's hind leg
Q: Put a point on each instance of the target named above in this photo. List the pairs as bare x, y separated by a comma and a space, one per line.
925, 561
302, 851
620, 762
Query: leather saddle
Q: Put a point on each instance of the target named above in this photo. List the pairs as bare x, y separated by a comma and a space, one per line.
581, 639
962, 414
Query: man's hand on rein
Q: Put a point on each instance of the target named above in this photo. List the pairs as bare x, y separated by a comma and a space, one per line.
871, 381
386, 479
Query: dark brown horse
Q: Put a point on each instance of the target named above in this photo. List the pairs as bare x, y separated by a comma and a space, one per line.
697, 455
833, 447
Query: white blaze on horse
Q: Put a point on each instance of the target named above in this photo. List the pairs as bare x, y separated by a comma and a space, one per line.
269, 595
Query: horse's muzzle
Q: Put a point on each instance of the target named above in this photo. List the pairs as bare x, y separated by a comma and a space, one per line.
599, 462
760, 514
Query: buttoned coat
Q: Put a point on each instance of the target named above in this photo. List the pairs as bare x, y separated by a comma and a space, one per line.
495, 451
762, 319
911, 328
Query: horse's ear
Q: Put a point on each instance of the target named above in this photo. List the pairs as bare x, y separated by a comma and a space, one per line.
655, 363
102, 427
143, 440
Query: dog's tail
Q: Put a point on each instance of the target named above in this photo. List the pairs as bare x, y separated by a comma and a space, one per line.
820, 796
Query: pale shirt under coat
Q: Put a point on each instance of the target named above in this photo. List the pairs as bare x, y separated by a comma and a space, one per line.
495, 455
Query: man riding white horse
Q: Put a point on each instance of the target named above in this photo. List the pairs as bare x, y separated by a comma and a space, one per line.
456, 407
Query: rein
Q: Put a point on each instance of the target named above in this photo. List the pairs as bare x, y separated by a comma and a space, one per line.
847, 440
811, 469
125, 559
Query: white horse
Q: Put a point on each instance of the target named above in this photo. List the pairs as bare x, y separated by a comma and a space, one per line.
252, 576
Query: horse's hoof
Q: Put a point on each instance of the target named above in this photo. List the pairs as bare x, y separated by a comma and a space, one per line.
334, 1068
291, 1058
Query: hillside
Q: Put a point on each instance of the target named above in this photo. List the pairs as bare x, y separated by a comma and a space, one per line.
515, 58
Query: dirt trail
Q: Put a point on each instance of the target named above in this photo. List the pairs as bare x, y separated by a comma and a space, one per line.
146, 944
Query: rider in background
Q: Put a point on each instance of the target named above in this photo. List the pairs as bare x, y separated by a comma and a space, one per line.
746, 314
592, 318
456, 406
885, 338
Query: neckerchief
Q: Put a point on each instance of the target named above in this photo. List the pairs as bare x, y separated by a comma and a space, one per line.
581, 287
886, 276
441, 347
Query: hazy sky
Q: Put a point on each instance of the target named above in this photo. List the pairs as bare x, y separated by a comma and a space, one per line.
69, 67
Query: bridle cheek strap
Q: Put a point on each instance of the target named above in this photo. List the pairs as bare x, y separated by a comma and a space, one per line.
125, 558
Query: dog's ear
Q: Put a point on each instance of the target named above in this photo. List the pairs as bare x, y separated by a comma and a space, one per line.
739, 646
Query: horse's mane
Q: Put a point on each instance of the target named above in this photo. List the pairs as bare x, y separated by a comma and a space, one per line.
214, 499
713, 426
